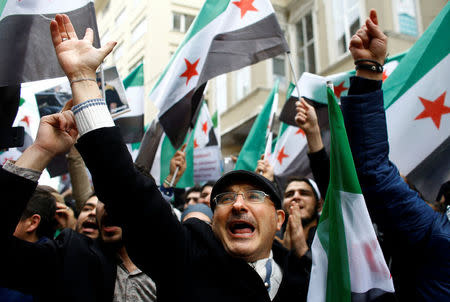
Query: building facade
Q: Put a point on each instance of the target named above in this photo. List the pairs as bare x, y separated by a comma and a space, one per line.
318, 33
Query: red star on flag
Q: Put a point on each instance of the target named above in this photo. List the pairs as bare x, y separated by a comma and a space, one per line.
300, 131
385, 75
245, 6
26, 119
195, 143
339, 89
190, 70
434, 109
281, 155
6, 159
205, 127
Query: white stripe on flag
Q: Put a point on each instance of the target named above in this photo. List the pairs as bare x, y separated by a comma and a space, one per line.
36, 7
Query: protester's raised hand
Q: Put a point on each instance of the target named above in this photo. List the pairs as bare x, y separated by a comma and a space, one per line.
78, 58
263, 167
65, 217
178, 161
369, 42
57, 133
306, 117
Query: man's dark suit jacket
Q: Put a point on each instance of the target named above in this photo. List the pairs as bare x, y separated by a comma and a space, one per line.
72, 267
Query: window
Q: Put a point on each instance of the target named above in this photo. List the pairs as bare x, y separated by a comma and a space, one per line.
139, 62
305, 41
181, 22
346, 22
105, 38
139, 30
118, 52
407, 18
120, 18
105, 10
221, 93
243, 79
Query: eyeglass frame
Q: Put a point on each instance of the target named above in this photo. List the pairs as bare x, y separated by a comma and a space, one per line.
243, 197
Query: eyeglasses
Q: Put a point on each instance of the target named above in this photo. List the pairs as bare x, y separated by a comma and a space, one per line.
251, 196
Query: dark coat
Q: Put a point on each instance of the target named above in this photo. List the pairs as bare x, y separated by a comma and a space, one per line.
72, 267
187, 262
418, 237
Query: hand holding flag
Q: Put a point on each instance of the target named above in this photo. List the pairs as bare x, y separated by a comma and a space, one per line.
306, 119
264, 168
177, 167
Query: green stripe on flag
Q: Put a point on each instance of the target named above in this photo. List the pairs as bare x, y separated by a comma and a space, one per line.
214, 119
2, 5
255, 144
135, 78
427, 52
343, 175
210, 10
331, 230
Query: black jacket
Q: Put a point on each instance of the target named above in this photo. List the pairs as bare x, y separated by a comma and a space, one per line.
72, 267
187, 262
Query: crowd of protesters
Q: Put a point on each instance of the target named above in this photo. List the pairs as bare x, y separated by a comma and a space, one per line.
241, 238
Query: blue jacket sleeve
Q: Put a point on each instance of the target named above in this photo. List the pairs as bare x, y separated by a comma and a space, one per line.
397, 209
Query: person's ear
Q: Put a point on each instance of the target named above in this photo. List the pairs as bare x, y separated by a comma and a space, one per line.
320, 205
280, 219
33, 223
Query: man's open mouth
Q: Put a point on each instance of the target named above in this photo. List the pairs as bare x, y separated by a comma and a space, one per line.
90, 225
241, 228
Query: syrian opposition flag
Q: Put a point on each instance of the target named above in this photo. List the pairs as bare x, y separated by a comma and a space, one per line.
348, 264
156, 151
290, 157
131, 124
256, 141
27, 117
26, 48
313, 87
225, 36
207, 155
417, 102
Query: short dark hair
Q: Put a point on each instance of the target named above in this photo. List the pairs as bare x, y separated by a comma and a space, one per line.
444, 191
43, 203
304, 179
195, 188
209, 183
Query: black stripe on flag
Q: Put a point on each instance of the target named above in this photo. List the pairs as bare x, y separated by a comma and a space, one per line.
26, 47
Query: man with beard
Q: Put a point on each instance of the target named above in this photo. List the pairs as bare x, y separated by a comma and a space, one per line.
131, 283
87, 221
234, 259
305, 193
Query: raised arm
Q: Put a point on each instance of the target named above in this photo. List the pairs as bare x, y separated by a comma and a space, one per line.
396, 209
319, 161
132, 200
56, 134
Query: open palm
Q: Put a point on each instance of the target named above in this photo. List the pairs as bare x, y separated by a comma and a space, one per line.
78, 58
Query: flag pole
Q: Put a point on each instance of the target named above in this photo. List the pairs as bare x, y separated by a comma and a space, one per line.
293, 73
102, 75
178, 168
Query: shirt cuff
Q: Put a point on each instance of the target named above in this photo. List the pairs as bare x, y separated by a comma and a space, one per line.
91, 115
30, 174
